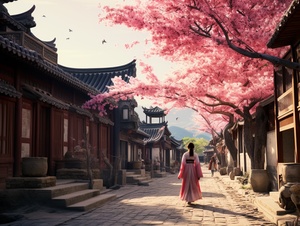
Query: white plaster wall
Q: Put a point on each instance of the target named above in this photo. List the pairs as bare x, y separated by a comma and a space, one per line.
271, 160
271, 153
155, 153
130, 157
245, 162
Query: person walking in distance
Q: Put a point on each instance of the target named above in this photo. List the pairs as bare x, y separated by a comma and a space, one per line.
212, 166
190, 172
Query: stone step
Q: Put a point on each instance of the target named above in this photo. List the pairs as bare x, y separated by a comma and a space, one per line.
131, 174
273, 211
58, 190
65, 181
64, 189
144, 182
274, 195
74, 197
157, 173
136, 171
92, 202
135, 178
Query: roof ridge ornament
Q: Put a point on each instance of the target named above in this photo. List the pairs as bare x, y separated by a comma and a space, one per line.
25, 18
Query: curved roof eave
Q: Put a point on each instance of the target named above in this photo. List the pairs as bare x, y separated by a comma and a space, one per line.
156, 111
34, 58
284, 33
156, 132
106, 69
101, 78
26, 19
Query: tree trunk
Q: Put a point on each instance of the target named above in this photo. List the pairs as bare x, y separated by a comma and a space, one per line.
229, 143
223, 158
261, 121
248, 136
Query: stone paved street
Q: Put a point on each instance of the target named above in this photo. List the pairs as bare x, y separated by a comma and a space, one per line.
158, 204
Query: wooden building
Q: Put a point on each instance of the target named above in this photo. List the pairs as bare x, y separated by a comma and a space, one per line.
127, 137
132, 143
40, 101
125, 131
287, 88
283, 131
158, 147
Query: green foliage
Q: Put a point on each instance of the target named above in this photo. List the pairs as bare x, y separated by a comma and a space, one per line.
199, 143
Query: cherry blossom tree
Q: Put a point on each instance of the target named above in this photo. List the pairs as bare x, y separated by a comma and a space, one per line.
221, 45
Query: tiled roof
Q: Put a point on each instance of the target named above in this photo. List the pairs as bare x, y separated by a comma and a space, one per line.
32, 56
100, 78
175, 142
81, 111
156, 111
287, 32
18, 50
105, 120
23, 22
57, 72
141, 132
155, 131
9, 90
85, 112
46, 97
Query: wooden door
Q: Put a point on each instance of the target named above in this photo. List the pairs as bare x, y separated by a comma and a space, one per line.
7, 131
43, 147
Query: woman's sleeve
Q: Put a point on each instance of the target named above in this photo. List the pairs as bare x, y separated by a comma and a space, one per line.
198, 168
180, 174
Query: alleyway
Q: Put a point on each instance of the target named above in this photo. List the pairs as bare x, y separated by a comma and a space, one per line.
158, 204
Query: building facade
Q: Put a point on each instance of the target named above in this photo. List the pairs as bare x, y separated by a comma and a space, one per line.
41, 112
287, 89
158, 147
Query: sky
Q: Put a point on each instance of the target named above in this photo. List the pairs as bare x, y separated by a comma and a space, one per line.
79, 36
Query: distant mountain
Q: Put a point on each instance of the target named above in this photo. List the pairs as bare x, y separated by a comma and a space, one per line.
179, 133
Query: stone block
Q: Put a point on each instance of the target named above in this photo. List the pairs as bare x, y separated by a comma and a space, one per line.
80, 174
30, 182
98, 184
122, 177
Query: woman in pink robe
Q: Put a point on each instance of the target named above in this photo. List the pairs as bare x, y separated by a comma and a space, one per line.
190, 173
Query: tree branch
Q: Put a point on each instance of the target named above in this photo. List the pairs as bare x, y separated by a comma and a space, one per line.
253, 54
201, 31
221, 102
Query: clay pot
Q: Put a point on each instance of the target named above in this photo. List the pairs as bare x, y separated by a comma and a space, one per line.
223, 171
34, 166
229, 169
259, 180
137, 165
291, 172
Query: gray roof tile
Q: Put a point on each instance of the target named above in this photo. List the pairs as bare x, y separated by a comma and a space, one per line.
100, 78
8, 89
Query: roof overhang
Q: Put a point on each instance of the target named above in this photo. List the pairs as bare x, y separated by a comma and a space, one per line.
287, 32
9, 90
81, 111
46, 97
